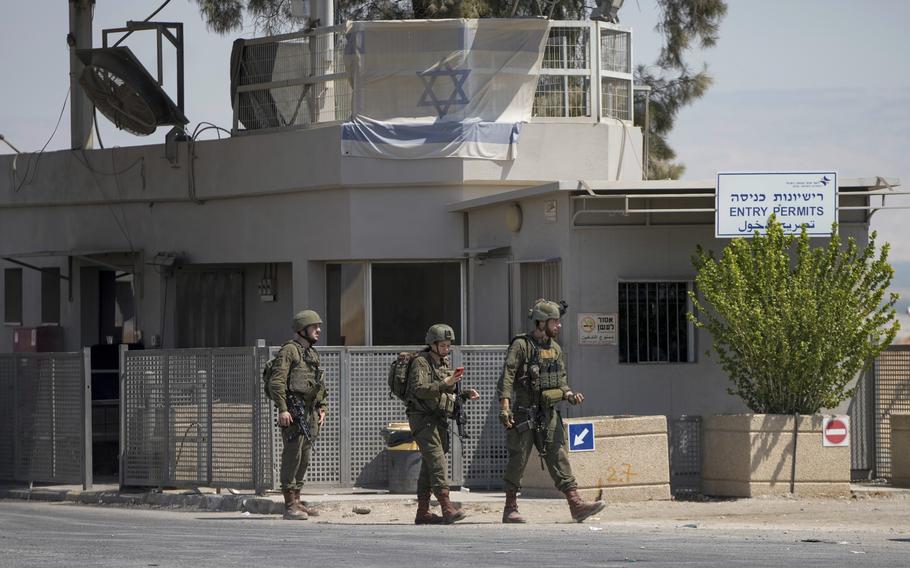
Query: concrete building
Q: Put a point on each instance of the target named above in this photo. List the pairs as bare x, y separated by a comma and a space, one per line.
218, 242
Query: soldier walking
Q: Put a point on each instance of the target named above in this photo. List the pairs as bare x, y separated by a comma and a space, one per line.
534, 377
296, 373
430, 403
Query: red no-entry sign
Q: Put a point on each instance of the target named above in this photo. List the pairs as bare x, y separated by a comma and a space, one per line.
836, 431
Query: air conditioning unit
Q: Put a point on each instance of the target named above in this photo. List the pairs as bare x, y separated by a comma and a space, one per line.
43, 339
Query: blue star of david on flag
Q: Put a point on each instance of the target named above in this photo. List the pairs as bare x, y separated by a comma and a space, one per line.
457, 97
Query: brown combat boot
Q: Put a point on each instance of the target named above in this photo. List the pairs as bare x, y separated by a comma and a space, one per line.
579, 508
510, 511
450, 513
292, 510
308, 510
424, 516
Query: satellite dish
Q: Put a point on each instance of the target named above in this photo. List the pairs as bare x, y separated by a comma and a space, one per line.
124, 91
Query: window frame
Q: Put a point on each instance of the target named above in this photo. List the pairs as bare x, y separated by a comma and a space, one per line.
368, 291
691, 350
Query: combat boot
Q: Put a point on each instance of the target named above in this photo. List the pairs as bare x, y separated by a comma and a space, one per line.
308, 510
424, 516
510, 511
579, 508
292, 510
450, 513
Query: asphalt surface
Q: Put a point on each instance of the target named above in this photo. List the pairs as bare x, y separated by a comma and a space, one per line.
65, 534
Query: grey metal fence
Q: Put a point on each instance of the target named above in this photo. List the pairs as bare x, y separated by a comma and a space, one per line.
45, 426
892, 395
199, 417
190, 417
685, 455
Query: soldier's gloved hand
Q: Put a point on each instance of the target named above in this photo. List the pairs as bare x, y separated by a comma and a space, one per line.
505, 416
574, 397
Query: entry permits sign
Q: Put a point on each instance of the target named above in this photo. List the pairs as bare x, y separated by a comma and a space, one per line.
581, 436
745, 200
597, 329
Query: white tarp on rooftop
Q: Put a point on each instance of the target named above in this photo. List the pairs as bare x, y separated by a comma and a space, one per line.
441, 88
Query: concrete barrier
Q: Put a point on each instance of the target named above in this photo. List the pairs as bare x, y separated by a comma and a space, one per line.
630, 462
900, 450
748, 455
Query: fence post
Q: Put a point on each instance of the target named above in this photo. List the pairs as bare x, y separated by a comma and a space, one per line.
345, 477
121, 366
457, 443
87, 441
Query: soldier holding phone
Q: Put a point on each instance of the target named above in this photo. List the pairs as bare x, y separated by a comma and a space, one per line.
430, 405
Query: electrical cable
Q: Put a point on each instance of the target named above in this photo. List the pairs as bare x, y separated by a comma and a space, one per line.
37, 156
120, 223
97, 132
152, 15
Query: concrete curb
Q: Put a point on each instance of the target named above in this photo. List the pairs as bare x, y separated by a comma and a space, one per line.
150, 499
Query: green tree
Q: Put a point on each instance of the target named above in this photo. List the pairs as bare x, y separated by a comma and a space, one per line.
794, 324
682, 24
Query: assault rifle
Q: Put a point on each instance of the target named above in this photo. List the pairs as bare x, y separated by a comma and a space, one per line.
299, 413
459, 413
538, 418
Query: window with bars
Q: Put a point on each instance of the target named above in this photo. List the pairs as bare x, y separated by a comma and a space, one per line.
653, 327
614, 98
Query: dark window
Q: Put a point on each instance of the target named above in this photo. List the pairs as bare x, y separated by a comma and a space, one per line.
653, 327
12, 296
407, 298
50, 295
209, 308
537, 280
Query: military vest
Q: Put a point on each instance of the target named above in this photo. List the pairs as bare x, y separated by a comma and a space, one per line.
543, 368
306, 378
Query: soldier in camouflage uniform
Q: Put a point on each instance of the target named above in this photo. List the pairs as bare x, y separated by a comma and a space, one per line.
296, 370
430, 402
533, 381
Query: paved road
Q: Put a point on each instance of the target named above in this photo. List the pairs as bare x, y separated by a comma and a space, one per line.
47, 535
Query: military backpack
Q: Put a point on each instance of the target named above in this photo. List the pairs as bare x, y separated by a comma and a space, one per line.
269, 367
398, 374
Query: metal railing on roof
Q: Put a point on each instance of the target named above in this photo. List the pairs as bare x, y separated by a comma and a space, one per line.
299, 80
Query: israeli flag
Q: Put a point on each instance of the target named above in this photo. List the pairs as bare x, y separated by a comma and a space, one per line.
441, 88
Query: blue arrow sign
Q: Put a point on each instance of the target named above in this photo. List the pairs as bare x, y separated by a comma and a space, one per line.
581, 437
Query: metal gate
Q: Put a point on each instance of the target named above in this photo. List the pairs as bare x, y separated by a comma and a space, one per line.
44, 418
199, 417
892, 396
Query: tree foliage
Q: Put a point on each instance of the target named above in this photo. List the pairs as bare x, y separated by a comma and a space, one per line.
793, 324
682, 24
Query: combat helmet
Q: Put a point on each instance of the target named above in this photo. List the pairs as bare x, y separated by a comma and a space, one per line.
440, 332
544, 310
304, 319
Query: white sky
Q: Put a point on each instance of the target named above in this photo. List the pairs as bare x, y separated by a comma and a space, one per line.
808, 84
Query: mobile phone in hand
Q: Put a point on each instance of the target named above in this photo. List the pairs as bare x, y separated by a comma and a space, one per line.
459, 371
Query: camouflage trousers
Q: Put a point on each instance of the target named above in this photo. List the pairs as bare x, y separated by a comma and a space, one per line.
432, 436
519, 445
295, 457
